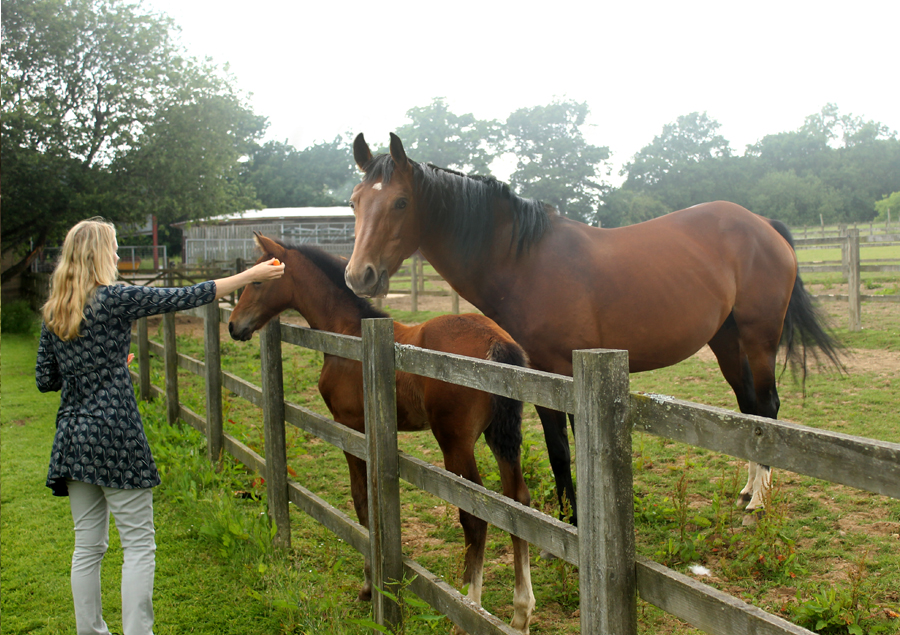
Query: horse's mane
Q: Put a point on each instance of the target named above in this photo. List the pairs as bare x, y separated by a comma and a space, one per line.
333, 268
463, 205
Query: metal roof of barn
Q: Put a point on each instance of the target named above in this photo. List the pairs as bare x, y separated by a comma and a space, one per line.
275, 214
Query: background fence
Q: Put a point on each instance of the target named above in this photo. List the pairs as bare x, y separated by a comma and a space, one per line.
610, 576
850, 266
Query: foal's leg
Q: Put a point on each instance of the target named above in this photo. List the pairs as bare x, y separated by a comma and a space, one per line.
557, 438
451, 426
360, 494
514, 487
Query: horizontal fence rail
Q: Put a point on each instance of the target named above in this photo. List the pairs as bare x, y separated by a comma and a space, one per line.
855, 461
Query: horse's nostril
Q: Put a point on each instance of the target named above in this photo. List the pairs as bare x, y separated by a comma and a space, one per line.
370, 278
231, 328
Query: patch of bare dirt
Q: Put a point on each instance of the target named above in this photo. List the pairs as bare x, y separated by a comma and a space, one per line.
857, 361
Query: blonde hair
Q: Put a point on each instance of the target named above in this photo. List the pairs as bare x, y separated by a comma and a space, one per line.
87, 260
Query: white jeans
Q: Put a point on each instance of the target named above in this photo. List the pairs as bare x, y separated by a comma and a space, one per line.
133, 511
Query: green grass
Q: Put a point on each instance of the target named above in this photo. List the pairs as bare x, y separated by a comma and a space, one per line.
817, 535
201, 587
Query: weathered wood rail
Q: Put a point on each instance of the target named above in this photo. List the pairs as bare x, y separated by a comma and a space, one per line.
610, 575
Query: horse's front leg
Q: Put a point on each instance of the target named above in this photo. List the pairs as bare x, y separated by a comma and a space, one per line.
360, 493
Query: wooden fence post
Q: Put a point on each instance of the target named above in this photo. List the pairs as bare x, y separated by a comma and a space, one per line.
383, 466
215, 439
414, 283
143, 359
607, 569
853, 280
454, 302
845, 251
170, 355
273, 423
421, 262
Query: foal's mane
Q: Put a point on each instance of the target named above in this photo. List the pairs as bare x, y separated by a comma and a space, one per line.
464, 205
333, 268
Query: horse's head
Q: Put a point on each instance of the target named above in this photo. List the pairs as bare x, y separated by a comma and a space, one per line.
388, 225
261, 301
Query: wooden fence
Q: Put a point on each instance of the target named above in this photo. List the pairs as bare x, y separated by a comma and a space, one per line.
413, 270
850, 265
610, 575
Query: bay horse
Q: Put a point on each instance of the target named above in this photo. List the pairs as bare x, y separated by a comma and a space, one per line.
712, 274
314, 285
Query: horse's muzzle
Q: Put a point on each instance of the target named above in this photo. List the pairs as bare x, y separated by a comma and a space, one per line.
240, 334
371, 284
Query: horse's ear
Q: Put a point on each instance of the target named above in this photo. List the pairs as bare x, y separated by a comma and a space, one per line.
398, 154
266, 245
361, 152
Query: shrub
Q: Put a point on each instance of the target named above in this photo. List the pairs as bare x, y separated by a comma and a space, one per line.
17, 317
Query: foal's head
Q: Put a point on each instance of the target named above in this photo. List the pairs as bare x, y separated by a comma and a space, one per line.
388, 223
261, 301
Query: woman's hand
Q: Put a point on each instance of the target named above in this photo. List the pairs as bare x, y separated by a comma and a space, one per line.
267, 270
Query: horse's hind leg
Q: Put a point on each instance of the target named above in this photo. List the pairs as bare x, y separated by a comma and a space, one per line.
458, 447
557, 438
514, 487
747, 361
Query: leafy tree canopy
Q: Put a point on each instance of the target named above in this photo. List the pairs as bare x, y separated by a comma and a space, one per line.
690, 139
889, 205
460, 142
554, 161
317, 176
102, 114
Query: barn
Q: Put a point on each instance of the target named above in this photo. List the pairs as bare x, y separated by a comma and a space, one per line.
230, 236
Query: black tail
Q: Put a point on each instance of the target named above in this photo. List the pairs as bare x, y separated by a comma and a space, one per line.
504, 434
804, 326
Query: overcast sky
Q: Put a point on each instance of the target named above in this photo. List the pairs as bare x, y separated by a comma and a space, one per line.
318, 69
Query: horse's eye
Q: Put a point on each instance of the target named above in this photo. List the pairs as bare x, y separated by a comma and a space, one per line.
400, 204
257, 284
352, 205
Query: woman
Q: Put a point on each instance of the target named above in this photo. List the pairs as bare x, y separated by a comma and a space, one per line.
100, 458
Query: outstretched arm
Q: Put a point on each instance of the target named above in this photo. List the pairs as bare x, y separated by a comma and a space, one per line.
267, 270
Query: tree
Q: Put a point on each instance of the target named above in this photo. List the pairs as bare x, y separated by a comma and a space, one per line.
796, 200
888, 207
316, 176
102, 114
460, 142
626, 207
692, 139
554, 162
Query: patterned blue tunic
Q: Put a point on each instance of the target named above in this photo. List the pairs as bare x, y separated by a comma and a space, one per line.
99, 434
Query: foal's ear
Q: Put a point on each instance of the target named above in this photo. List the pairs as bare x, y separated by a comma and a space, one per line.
361, 153
267, 245
398, 154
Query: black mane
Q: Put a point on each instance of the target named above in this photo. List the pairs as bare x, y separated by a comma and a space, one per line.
333, 267
463, 205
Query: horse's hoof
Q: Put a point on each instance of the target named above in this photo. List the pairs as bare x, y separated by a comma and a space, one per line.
752, 516
743, 499
365, 594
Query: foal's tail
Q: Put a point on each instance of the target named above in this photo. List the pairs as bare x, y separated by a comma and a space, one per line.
804, 326
504, 434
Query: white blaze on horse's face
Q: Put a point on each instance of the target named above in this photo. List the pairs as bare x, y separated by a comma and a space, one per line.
377, 186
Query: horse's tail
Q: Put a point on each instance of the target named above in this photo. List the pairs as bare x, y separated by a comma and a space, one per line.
504, 434
804, 326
